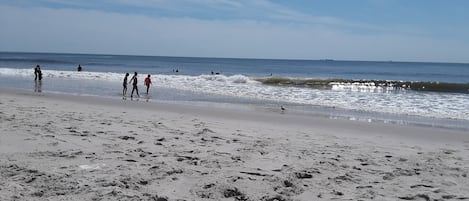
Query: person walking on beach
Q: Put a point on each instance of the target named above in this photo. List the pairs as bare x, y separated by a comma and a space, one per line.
134, 84
124, 84
148, 82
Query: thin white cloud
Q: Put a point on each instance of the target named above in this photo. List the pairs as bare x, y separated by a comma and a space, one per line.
68, 2
161, 3
260, 10
257, 10
216, 3
180, 5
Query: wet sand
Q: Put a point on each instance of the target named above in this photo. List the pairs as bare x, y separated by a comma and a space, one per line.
60, 147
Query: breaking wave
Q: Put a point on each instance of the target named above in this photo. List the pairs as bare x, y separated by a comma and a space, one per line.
367, 85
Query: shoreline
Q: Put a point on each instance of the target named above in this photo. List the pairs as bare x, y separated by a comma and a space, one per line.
425, 108
170, 96
58, 147
293, 115
238, 110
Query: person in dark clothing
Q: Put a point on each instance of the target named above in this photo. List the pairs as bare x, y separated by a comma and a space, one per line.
79, 68
39, 72
124, 84
134, 84
36, 72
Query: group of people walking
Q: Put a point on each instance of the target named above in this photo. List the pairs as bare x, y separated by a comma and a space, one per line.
134, 84
133, 80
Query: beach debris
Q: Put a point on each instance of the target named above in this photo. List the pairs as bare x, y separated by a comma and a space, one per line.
209, 185
126, 137
287, 183
415, 197
303, 175
275, 198
255, 174
421, 185
228, 193
174, 171
334, 192
204, 131
362, 187
130, 160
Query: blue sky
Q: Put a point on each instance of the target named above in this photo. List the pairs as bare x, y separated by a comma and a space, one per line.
399, 30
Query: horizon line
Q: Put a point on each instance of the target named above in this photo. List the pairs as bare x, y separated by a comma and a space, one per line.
246, 58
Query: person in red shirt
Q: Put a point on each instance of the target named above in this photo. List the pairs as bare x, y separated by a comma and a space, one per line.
148, 82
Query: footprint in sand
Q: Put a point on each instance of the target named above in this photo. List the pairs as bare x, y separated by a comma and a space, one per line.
448, 151
126, 137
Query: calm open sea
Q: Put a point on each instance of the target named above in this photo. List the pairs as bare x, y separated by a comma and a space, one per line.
432, 94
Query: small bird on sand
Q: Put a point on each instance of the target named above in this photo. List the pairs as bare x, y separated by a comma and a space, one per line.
282, 108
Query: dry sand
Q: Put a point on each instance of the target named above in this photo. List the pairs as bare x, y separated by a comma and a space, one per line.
58, 147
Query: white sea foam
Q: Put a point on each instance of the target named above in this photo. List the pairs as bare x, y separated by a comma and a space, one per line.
354, 96
62, 74
362, 87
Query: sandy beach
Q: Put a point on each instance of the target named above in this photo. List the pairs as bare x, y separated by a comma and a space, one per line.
61, 147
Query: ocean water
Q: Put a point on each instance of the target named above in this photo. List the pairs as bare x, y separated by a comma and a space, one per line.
430, 94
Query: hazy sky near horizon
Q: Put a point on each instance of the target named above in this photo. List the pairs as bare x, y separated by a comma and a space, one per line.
399, 30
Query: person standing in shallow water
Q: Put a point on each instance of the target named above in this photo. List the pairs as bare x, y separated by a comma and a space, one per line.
124, 84
148, 82
79, 68
134, 84
39, 72
36, 72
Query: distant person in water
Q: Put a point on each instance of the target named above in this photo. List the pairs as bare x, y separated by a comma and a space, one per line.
148, 82
40, 73
79, 68
124, 84
37, 73
134, 84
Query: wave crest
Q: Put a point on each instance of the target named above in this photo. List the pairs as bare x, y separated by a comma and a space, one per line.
367, 85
